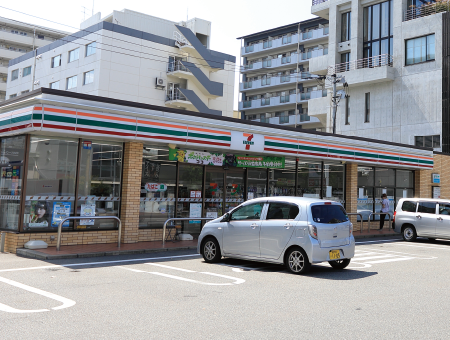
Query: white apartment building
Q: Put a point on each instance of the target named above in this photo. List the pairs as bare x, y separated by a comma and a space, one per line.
137, 57
393, 55
275, 83
18, 38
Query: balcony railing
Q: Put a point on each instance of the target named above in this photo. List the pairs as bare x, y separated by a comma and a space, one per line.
428, 9
247, 103
267, 63
265, 101
176, 66
265, 81
247, 85
285, 60
249, 48
175, 95
372, 62
305, 95
304, 117
267, 44
316, 2
284, 119
284, 99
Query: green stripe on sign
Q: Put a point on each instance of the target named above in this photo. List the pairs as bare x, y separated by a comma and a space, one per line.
105, 124
363, 154
60, 119
37, 116
20, 119
5, 122
161, 131
281, 145
313, 148
201, 135
411, 160
421, 161
341, 152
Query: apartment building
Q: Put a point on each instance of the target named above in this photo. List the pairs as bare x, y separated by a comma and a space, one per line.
136, 57
275, 83
18, 38
393, 55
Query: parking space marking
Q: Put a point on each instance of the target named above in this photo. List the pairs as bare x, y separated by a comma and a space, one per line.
235, 279
169, 267
391, 260
5, 308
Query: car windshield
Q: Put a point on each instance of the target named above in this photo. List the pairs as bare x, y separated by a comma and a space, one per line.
330, 213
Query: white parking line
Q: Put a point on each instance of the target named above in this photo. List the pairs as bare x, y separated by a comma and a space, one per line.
169, 267
5, 308
391, 260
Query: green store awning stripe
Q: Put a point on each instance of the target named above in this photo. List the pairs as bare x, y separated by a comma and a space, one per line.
214, 137
160, 131
281, 145
60, 119
105, 124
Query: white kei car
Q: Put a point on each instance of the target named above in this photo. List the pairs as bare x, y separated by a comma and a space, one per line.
294, 231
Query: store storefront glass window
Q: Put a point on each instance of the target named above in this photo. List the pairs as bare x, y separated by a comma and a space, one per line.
50, 190
158, 188
235, 179
214, 193
309, 179
99, 183
257, 183
282, 181
12, 153
333, 186
190, 191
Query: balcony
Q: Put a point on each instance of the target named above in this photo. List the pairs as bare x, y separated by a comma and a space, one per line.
12, 52
319, 65
321, 8
274, 81
300, 119
374, 69
284, 61
426, 10
285, 41
280, 100
2, 85
178, 100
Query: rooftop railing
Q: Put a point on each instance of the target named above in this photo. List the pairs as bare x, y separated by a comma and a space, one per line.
372, 62
316, 2
175, 95
176, 66
428, 9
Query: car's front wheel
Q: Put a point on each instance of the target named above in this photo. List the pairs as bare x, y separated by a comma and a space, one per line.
409, 233
297, 261
339, 264
211, 250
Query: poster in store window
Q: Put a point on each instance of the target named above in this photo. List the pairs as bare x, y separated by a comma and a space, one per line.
87, 210
195, 210
61, 210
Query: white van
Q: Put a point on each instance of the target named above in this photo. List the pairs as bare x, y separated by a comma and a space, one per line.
294, 231
422, 217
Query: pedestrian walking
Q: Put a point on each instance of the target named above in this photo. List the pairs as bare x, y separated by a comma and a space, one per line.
384, 209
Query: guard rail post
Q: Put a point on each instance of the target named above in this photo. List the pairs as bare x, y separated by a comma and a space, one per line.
379, 213
2, 244
58, 242
182, 219
361, 220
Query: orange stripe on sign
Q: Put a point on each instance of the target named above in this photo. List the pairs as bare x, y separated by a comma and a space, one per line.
281, 139
210, 131
95, 115
49, 109
312, 143
145, 122
37, 108
247, 134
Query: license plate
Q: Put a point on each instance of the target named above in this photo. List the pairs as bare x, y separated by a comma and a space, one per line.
335, 254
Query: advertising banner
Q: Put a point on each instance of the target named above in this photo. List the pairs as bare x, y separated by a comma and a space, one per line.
61, 210
260, 162
87, 210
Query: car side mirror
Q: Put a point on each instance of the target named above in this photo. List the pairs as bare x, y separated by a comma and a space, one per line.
226, 218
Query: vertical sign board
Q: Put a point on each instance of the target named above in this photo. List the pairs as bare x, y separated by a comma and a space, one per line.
436, 178
436, 192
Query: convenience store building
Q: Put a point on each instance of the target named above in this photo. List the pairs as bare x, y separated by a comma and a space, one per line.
69, 154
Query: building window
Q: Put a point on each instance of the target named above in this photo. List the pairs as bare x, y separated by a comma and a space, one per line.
347, 110
367, 108
39, 36
54, 85
14, 74
23, 92
74, 55
420, 49
378, 29
56, 61
71, 82
346, 26
90, 48
26, 71
13, 95
428, 141
88, 77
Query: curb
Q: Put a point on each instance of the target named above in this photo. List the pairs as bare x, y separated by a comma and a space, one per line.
34, 254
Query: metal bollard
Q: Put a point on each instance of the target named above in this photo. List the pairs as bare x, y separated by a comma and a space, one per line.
2, 243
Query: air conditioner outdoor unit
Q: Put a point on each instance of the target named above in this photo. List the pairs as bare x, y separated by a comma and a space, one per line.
161, 82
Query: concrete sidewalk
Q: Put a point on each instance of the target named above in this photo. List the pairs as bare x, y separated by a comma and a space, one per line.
108, 249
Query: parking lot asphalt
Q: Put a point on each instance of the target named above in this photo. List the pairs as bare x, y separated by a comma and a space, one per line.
392, 289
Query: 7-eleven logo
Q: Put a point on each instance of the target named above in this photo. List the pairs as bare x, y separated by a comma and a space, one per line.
248, 141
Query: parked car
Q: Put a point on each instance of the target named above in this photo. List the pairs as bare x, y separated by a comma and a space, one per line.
422, 217
294, 231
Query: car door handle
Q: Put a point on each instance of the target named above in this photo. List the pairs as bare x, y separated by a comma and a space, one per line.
418, 216
253, 226
440, 218
287, 225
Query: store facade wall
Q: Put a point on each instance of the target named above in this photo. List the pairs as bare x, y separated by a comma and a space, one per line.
146, 164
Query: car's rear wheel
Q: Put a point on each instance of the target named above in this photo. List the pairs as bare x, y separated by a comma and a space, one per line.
297, 261
211, 250
339, 264
409, 233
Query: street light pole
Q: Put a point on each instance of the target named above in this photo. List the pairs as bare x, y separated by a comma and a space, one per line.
333, 100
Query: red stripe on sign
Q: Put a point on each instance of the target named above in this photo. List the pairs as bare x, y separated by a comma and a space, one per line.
162, 137
208, 143
19, 127
58, 127
115, 133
